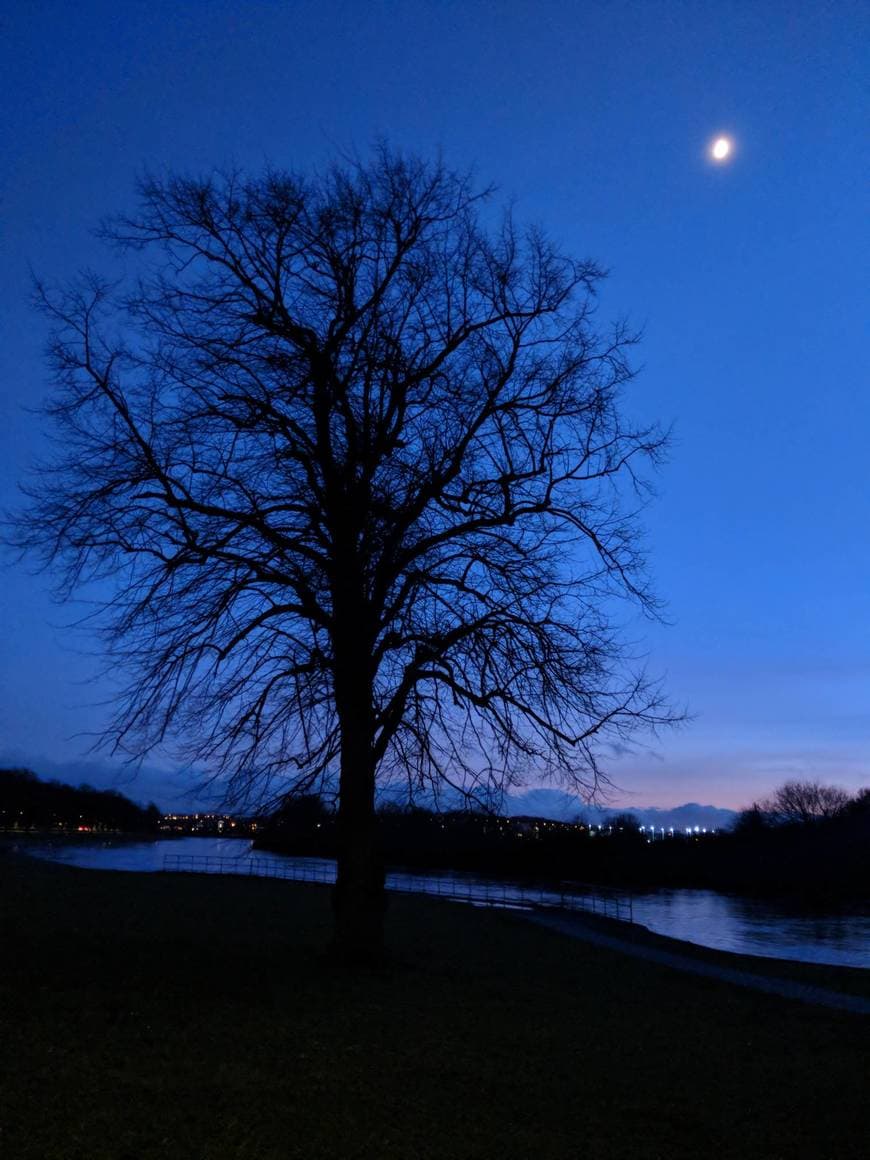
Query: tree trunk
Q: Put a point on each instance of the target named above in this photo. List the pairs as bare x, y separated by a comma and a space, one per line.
358, 897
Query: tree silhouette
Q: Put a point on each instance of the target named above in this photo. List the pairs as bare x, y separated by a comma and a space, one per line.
350, 451
804, 803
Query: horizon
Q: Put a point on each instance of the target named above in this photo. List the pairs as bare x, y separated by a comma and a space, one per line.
171, 793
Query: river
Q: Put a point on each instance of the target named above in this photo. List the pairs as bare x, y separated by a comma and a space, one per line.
773, 928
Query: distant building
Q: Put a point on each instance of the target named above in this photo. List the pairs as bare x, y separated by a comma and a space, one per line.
212, 825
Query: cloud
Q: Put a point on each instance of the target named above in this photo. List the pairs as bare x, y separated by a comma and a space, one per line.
563, 806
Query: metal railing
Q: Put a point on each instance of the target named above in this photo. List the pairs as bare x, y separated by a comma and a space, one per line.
456, 889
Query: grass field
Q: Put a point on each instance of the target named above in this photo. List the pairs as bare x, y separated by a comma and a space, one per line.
195, 1018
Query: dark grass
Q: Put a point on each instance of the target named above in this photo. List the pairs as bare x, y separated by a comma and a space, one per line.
196, 1018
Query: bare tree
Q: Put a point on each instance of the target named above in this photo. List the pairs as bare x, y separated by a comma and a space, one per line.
351, 452
803, 802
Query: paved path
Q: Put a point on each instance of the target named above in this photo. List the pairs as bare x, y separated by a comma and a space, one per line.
786, 988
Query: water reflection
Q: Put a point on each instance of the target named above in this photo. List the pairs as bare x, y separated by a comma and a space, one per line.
122, 854
758, 926
727, 922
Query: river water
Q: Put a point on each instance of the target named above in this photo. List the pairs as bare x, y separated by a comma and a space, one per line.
753, 926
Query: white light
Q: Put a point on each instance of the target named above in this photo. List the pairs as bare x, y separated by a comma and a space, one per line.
721, 149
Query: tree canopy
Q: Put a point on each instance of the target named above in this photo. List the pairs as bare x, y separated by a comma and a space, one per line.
351, 450
803, 803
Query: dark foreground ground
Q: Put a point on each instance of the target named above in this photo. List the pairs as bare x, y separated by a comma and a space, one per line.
194, 1018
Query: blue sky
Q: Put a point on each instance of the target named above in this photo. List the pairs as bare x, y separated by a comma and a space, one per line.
593, 118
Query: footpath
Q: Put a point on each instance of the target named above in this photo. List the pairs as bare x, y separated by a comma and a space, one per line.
574, 926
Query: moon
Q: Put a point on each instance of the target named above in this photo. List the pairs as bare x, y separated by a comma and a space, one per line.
721, 149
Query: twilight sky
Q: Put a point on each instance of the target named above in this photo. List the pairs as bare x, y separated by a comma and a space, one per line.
593, 118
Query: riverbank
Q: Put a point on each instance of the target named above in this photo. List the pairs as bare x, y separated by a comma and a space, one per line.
733, 923
839, 988
824, 863
151, 1016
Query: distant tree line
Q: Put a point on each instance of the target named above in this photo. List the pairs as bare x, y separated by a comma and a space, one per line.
806, 839
28, 803
800, 803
